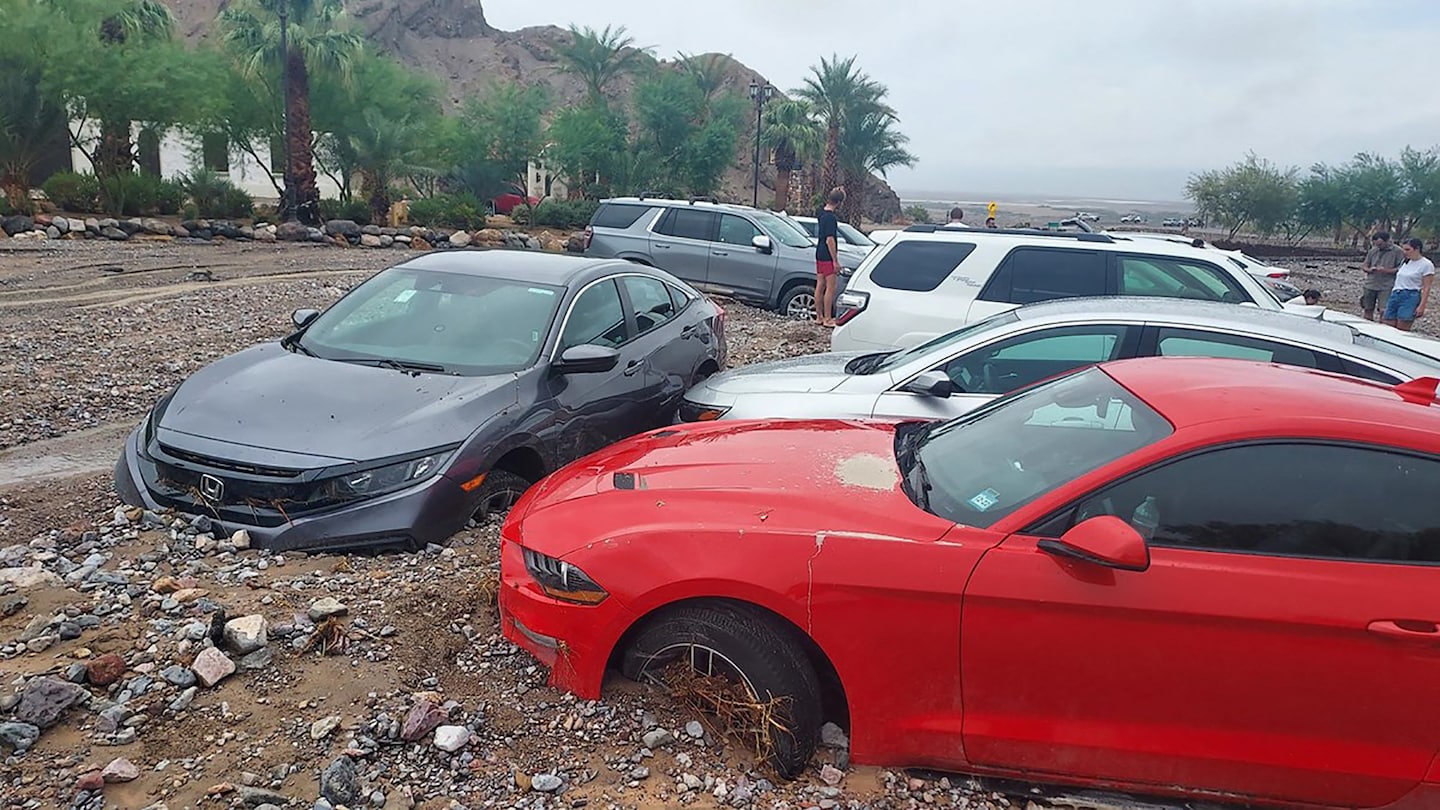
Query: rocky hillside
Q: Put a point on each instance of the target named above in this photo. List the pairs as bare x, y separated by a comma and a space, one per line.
452, 40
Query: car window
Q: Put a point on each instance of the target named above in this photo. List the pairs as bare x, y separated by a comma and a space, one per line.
737, 230
851, 235
1366, 372
650, 302
784, 230
980, 467
1038, 274
596, 317
1287, 499
919, 266
1172, 278
1006, 365
1173, 342
812, 228
616, 215
687, 223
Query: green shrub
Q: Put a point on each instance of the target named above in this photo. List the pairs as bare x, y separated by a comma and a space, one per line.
213, 197
917, 213
558, 213
135, 195
71, 191
5, 209
459, 211
353, 210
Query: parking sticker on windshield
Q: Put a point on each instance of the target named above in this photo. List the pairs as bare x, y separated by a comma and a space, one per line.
540, 291
405, 295
984, 500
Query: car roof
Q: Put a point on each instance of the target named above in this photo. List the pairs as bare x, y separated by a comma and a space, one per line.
521, 265
1276, 323
666, 202
1193, 391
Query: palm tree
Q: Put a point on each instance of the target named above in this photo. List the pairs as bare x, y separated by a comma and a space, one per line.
135, 19
708, 71
29, 120
319, 39
599, 57
382, 150
870, 144
794, 137
838, 91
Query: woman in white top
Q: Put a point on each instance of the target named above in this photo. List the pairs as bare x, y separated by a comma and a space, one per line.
1412, 287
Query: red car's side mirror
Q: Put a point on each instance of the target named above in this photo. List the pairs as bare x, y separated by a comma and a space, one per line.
1105, 540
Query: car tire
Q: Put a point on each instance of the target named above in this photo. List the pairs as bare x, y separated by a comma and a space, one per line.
798, 302
747, 646
500, 490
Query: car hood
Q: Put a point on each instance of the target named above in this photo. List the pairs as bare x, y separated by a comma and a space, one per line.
266, 401
800, 375
733, 479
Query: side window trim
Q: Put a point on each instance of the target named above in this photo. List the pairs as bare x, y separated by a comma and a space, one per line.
570, 310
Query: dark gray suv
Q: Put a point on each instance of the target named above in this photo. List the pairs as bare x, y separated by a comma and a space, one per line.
745, 253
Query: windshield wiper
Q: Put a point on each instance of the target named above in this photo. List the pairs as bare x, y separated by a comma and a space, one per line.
409, 365
866, 364
294, 345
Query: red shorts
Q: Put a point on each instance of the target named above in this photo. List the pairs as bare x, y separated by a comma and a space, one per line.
824, 268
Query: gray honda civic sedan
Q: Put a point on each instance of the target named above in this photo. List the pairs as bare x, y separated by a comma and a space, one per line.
437, 390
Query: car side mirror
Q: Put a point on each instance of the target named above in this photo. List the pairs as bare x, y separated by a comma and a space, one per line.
932, 384
586, 358
1105, 540
762, 243
303, 317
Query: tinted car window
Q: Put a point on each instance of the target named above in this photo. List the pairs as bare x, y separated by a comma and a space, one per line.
1023, 360
1289, 499
1172, 342
650, 302
596, 317
1171, 278
616, 215
687, 223
737, 230
1038, 274
919, 266
1365, 372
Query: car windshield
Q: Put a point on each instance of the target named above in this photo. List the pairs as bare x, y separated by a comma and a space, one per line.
784, 230
900, 359
425, 320
852, 235
982, 466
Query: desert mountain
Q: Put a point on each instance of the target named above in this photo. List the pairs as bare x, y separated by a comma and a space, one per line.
452, 40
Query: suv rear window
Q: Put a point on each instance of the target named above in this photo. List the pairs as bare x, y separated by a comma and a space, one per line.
613, 215
919, 266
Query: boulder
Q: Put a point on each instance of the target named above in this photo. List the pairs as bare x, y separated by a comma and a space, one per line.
264, 235
28, 577
61, 224
92, 225
212, 666
325, 607
18, 736
114, 234
419, 243
460, 239
120, 769
292, 232
246, 634
44, 700
489, 236
342, 227
340, 782
386, 240
372, 230
370, 241
106, 669
422, 718
16, 224
157, 227
131, 226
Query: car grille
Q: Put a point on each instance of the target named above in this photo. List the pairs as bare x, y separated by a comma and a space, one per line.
250, 495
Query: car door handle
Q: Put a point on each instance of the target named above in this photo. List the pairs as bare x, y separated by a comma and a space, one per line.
661, 246
632, 367
719, 253
1408, 629
689, 331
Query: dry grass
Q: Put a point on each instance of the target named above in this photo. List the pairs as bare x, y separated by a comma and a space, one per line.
331, 637
737, 713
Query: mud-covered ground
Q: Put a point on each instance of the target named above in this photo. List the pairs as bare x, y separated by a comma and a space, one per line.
90, 335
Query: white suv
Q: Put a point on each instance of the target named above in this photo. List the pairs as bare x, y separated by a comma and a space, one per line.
928, 281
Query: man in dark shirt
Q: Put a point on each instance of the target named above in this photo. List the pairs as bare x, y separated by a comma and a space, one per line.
1381, 262
827, 256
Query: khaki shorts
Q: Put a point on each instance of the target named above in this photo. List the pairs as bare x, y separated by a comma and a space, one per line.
1374, 300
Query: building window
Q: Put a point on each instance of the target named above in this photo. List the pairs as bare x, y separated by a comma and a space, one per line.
215, 153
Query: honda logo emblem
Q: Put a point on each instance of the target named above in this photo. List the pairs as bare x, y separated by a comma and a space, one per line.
212, 488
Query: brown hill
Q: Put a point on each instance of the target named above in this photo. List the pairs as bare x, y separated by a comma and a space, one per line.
451, 39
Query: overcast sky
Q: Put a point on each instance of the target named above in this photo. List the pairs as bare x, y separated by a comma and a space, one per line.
1105, 98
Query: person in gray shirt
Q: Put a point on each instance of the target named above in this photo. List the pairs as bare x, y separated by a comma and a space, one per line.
1381, 262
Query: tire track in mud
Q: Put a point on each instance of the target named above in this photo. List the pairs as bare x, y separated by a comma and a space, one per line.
133, 295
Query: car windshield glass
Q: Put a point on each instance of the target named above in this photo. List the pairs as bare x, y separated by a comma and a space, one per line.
901, 359
435, 321
854, 236
783, 229
980, 467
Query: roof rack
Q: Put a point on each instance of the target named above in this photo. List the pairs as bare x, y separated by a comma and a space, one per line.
712, 200
1079, 236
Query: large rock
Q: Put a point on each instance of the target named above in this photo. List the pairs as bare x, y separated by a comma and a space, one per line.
212, 666
460, 239
131, 226
157, 227
489, 236
25, 578
120, 769
106, 669
246, 634
340, 782
422, 718
451, 738
370, 241
45, 700
114, 234
292, 232
16, 224
325, 607
18, 736
342, 227
61, 224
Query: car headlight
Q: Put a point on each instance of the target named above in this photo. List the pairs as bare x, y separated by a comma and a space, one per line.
561, 580
696, 412
389, 478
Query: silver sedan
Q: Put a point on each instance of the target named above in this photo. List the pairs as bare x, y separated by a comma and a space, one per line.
966, 368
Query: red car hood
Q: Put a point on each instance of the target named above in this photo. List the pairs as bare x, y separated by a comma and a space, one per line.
730, 479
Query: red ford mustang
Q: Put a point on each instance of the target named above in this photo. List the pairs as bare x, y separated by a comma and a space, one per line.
1175, 576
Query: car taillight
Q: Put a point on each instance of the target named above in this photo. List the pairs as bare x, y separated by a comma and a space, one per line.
851, 304
1284, 274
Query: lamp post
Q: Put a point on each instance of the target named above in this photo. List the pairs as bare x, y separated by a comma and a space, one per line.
759, 94
290, 213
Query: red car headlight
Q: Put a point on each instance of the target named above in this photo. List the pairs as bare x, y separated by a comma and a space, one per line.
561, 580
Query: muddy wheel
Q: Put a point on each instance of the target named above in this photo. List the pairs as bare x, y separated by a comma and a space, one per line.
500, 490
750, 651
